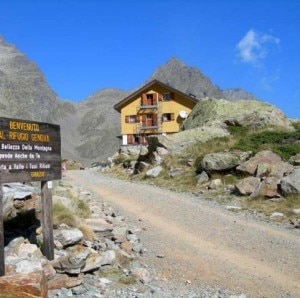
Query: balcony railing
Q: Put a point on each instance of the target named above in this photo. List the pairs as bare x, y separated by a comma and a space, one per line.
148, 127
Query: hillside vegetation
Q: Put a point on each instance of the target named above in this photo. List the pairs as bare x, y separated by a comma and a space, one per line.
182, 171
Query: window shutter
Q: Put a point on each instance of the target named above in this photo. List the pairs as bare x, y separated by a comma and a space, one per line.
172, 95
154, 119
160, 97
172, 116
138, 118
144, 99
126, 119
155, 98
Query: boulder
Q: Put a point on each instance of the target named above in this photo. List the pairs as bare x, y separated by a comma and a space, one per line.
247, 113
291, 183
153, 173
33, 285
267, 188
247, 186
177, 142
223, 161
265, 163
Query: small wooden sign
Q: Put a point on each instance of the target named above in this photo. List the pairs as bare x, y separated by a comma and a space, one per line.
29, 151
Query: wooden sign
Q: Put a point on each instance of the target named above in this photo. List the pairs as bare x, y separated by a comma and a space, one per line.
29, 151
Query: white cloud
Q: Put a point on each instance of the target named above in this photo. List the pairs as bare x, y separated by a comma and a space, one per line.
254, 47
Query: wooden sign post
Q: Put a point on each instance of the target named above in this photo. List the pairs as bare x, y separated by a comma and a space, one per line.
30, 151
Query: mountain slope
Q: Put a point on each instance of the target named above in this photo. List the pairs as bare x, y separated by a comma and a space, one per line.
186, 79
24, 92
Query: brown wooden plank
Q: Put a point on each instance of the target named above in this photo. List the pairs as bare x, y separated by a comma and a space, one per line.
47, 221
2, 262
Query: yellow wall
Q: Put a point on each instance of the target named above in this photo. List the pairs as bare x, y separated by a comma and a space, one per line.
179, 103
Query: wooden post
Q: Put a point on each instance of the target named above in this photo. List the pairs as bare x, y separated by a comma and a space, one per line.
47, 221
2, 263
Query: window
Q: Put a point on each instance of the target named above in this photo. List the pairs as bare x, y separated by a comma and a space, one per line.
130, 119
150, 96
149, 116
167, 117
166, 96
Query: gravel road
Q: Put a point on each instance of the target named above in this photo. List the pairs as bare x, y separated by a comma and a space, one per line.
194, 243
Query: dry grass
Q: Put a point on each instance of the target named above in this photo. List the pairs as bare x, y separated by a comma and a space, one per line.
62, 214
267, 207
87, 232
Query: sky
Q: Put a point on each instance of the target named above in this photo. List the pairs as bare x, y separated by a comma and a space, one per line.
82, 46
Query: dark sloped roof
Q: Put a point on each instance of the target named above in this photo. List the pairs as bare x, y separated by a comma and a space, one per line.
120, 104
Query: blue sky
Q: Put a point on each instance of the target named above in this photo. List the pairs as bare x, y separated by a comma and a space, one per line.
85, 45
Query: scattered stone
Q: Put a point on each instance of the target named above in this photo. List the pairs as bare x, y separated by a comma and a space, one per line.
295, 211
68, 236
153, 173
215, 184
277, 216
142, 274
202, 178
175, 172
233, 208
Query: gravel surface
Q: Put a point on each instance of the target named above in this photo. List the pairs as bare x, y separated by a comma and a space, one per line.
197, 248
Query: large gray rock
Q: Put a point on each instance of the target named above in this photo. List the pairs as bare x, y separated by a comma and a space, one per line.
223, 161
177, 142
291, 183
247, 113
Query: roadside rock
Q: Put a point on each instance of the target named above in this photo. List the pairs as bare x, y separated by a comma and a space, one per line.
223, 161
291, 183
153, 173
267, 188
177, 142
247, 186
202, 178
265, 163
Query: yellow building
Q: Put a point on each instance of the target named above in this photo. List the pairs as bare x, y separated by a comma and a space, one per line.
154, 109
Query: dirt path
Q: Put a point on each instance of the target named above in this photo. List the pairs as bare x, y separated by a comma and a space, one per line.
203, 242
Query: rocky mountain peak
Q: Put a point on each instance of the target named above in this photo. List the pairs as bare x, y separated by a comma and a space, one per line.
186, 79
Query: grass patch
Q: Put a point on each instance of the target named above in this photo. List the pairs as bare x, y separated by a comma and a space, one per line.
81, 207
87, 232
267, 207
285, 144
62, 214
127, 280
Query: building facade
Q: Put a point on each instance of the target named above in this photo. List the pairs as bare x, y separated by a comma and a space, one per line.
154, 109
